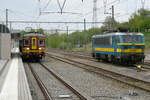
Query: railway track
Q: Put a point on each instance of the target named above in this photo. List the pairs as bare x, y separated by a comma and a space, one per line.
45, 91
144, 66
43, 88
76, 54
138, 83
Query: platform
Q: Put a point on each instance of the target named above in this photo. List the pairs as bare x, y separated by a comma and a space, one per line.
2, 64
15, 85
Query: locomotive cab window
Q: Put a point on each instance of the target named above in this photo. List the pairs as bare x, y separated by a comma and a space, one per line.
41, 42
132, 38
26, 42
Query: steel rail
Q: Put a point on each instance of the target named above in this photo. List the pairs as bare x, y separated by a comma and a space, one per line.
41, 84
138, 83
71, 53
81, 96
147, 64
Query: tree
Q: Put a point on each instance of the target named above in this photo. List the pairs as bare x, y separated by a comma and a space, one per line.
32, 31
108, 23
40, 30
144, 13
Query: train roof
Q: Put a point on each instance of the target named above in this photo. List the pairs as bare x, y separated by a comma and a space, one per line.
117, 33
33, 35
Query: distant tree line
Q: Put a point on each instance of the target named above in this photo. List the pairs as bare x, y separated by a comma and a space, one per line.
138, 22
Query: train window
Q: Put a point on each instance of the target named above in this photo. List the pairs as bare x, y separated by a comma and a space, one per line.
127, 38
26, 42
103, 41
41, 42
132, 38
137, 39
33, 41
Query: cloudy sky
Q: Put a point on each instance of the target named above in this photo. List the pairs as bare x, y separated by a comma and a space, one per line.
28, 10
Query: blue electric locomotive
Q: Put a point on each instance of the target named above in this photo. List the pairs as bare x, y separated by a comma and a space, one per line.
119, 47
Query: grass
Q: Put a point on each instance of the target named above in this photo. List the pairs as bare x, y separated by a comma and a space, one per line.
88, 48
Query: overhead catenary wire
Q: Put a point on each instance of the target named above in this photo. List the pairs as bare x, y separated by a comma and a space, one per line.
46, 5
61, 7
114, 2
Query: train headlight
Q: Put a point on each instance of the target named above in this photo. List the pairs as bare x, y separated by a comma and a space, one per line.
27, 48
40, 48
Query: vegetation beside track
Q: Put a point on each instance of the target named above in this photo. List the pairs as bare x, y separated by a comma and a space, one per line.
138, 22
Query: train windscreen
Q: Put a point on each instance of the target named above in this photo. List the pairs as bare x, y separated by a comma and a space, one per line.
132, 38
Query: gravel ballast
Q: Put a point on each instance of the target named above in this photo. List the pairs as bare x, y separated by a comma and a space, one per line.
96, 86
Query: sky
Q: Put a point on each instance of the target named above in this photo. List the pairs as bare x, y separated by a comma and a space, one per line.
28, 10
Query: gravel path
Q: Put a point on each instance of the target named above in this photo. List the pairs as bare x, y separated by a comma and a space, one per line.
96, 86
56, 88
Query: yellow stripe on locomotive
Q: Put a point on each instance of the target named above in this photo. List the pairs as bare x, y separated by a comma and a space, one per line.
120, 50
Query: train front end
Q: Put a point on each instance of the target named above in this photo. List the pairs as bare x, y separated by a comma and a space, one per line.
132, 48
33, 47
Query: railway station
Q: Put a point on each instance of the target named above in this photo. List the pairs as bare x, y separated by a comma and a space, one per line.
75, 50
16, 85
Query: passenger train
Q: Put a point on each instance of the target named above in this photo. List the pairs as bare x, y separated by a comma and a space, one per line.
119, 47
32, 46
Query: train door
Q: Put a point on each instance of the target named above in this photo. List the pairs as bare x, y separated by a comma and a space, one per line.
34, 43
116, 40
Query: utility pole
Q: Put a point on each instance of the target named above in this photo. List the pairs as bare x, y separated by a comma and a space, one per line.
67, 38
56, 38
6, 17
85, 33
10, 28
63, 43
105, 6
94, 13
39, 5
113, 20
143, 4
